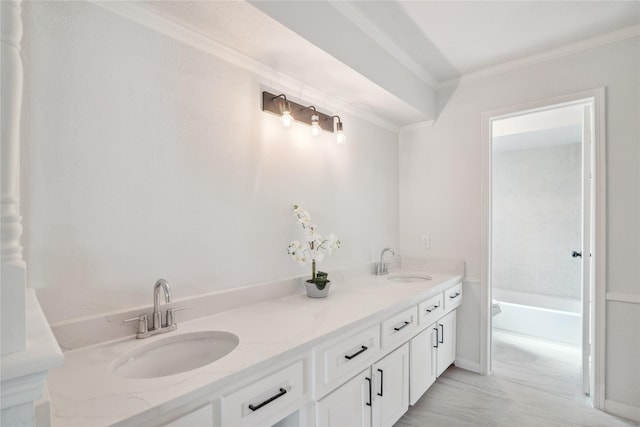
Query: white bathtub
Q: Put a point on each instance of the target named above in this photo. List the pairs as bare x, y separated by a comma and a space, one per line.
557, 319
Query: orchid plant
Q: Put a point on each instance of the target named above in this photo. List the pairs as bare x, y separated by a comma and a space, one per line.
315, 247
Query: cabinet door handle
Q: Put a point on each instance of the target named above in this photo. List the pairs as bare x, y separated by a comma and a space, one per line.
454, 295
351, 356
381, 382
369, 380
281, 393
432, 308
437, 340
442, 333
403, 326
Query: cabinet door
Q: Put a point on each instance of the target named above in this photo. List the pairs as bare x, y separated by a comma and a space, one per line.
446, 341
391, 387
348, 405
422, 363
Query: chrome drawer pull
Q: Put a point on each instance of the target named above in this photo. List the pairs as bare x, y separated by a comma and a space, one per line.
403, 326
362, 350
269, 400
454, 295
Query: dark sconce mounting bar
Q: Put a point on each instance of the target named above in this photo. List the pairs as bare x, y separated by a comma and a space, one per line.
301, 113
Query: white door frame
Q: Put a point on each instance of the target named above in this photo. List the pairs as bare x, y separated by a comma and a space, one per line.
597, 96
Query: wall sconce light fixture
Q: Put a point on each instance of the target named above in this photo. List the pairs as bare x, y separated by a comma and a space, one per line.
315, 121
340, 136
285, 110
290, 111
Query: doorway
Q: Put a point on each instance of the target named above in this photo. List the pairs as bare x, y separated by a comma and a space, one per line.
541, 227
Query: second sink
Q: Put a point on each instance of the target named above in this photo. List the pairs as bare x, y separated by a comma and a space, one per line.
408, 278
175, 354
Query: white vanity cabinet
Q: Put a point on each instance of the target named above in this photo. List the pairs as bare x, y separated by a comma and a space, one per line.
432, 352
349, 405
267, 400
434, 349
446, 341
376, 397
399, 328
390, 387
345, 361
423, 363
339, 359
453, 297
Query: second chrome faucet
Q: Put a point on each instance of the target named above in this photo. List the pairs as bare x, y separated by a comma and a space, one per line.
383, 267
157, 326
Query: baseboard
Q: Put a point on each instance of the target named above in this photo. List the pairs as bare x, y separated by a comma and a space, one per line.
468, 365
622, 410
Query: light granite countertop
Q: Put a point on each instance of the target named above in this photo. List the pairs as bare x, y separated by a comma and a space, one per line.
84, 392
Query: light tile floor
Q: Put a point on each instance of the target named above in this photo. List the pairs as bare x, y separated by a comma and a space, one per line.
533, 383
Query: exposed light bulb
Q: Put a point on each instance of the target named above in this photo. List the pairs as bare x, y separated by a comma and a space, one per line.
340, 136
315, 127
286, 119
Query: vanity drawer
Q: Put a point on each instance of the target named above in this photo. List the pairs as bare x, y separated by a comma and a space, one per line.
453, 297
400, 327
262, 402
431, 310
338, 360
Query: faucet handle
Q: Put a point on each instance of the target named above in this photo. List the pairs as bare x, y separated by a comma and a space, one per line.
143, 323
171, 316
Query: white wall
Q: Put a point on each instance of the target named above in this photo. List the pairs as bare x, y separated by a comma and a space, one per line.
536, 218
440, 187
146, 158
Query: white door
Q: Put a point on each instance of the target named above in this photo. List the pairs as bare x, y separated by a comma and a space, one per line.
446, 344
422, 363
391, 392
587, 195
349, 405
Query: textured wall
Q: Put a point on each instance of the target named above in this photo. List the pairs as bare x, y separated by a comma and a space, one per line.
145, 158
536, 208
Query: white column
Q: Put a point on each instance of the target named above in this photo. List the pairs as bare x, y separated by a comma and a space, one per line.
29, 349
12, 310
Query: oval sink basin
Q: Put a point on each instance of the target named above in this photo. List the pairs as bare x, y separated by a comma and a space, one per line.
175, 354
408, 278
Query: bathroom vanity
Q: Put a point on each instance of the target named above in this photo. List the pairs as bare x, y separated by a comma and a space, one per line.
359, 357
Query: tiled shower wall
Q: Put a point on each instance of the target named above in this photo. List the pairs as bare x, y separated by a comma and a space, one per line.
537, 220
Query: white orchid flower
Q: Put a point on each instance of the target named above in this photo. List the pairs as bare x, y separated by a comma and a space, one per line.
301, 214
315, 247
311, 231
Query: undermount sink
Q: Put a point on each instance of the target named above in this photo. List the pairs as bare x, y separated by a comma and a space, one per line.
409, 278
175, 354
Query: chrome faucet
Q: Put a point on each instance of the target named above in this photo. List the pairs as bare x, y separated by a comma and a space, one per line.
157, 315
383, 267
157, 326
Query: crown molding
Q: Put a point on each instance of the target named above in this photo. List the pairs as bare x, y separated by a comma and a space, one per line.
566, 50
267, 76
416, 126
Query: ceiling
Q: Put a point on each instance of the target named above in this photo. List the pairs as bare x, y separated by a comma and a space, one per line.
387, 60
